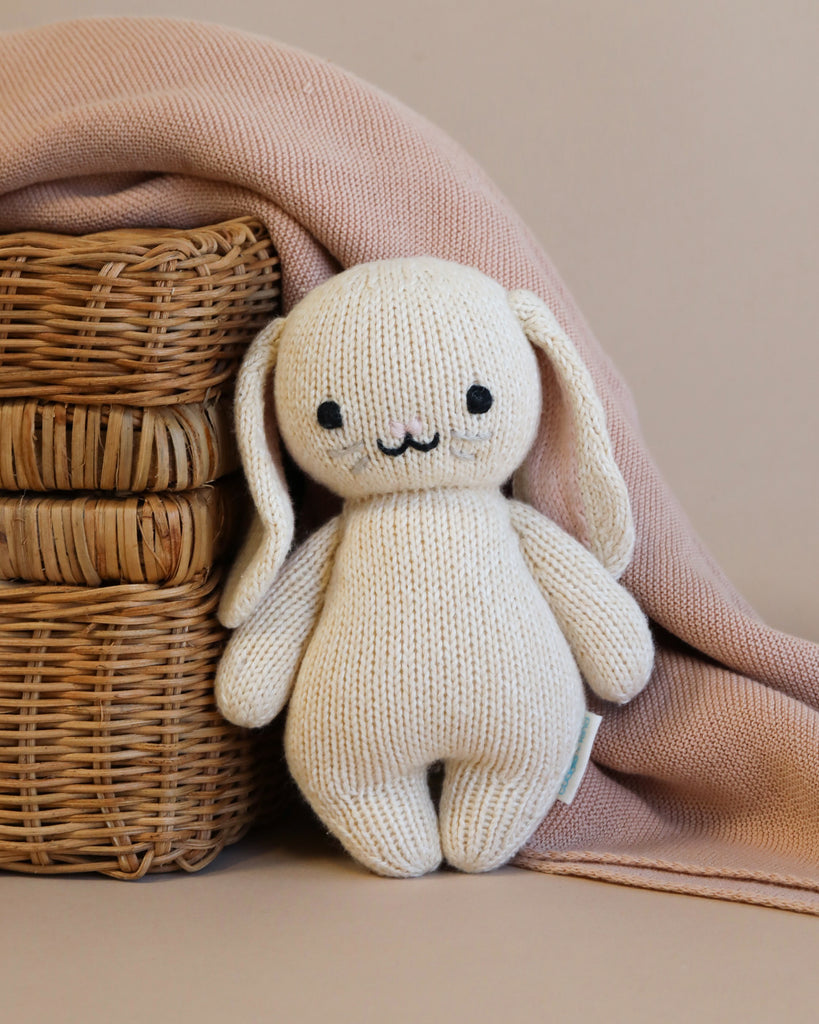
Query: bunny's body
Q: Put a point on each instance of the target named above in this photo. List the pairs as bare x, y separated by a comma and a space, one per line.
434, 643
434, 620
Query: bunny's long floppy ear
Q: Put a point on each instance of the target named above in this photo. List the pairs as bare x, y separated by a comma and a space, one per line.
271, 532
606, 508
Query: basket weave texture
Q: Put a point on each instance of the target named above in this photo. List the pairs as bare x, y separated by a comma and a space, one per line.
89, 539
117, 360
49, 446
139, 317
113, 756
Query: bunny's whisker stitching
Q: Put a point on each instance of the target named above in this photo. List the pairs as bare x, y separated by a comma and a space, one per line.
471, 437
362, 464
470, 456
356, 446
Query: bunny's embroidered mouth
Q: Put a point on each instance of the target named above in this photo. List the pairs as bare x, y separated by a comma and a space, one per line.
409, 442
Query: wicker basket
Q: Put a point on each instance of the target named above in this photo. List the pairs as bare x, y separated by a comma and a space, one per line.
113, 756
89, 539
46, 446
138, 317
117, 358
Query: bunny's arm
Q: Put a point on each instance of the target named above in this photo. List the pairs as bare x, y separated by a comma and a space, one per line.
605, 627
259, 665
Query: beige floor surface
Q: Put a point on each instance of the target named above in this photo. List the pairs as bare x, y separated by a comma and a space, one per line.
284, 928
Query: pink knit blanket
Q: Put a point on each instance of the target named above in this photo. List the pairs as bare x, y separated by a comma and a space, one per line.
708, 782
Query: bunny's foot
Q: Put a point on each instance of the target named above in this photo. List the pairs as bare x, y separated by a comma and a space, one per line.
391, 828
485, 817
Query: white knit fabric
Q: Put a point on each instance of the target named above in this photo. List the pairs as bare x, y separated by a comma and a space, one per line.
434, 620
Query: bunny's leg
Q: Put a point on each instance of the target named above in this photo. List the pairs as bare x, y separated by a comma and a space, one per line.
389, 826
372, 794
486, 814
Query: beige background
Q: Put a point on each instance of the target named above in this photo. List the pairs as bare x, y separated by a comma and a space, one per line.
665, 153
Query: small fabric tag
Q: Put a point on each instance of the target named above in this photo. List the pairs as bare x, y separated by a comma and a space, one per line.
580, 759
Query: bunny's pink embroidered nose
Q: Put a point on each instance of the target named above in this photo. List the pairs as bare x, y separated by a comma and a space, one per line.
400, 430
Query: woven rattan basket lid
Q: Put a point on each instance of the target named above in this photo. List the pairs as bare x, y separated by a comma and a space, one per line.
137, 317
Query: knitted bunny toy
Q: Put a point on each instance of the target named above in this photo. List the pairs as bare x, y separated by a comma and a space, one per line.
434, 619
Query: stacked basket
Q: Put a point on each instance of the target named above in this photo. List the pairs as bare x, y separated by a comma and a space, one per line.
117, 357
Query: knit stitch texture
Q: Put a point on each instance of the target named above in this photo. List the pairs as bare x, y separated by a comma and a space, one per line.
435, 620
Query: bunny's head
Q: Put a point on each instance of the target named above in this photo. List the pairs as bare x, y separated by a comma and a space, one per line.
404, 375
409, 374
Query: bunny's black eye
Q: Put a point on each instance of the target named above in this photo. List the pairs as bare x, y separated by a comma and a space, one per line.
478, 399
329, 415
